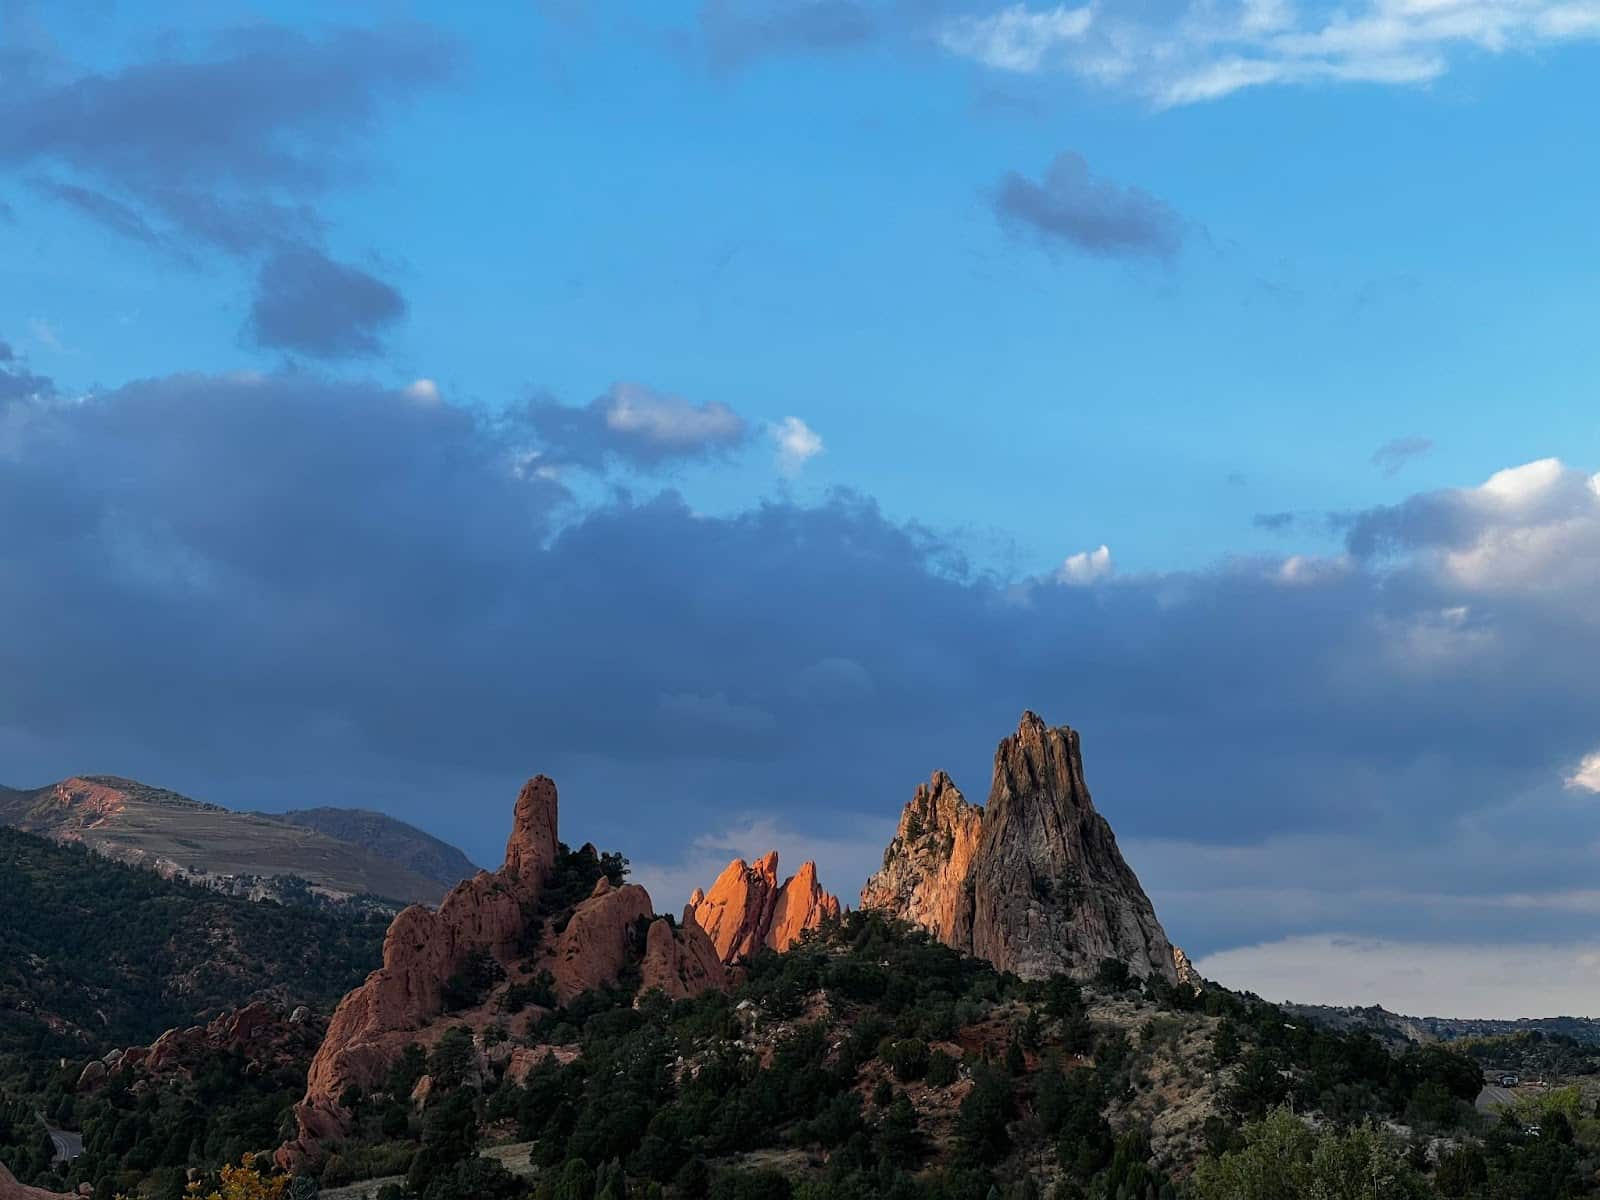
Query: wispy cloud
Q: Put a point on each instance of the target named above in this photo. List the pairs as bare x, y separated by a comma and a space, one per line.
1392, 456
1206, 50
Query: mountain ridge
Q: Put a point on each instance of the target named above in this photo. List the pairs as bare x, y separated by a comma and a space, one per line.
253, 855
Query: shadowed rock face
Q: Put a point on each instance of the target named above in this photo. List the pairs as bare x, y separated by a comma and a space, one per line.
1034, 881
682, 962
746, 908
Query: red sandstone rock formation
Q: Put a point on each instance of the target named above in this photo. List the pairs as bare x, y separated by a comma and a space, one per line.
597, 941
682, 961
266, 1037
495, 914
746, 908
1034, 881
487, 913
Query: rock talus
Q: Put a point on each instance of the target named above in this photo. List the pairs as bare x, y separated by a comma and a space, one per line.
1033, 881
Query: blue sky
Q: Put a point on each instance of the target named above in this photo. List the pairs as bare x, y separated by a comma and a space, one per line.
723, 411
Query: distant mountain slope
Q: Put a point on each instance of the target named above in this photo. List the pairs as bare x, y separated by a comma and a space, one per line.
1397, 1027
238, 853
389, 839
94, 954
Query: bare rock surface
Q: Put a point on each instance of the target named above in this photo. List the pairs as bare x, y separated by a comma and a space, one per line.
682, 961
747, 909
10, 1189
1033, 881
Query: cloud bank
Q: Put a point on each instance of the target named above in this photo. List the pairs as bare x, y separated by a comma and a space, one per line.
393, 606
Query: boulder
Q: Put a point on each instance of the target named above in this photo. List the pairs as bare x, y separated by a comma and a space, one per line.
682, 961
421, 1093
600, 939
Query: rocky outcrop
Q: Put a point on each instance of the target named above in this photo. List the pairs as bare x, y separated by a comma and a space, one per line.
925, 868
1185, 971
266, 1038
801, 905
747, 910
1033, 881
602, 937
523, 918
487, 914
682, 961
10, 1189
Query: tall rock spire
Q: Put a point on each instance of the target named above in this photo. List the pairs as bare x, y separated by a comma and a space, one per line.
1034, 881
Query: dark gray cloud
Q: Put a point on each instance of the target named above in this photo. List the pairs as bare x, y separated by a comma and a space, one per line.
1071, 207
215, 141
635, 425
1393, 455
229, 147
308, 303
1275, 522
259, 589
122, 219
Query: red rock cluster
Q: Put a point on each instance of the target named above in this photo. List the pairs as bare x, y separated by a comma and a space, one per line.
266, 1037
747, 909
494, 914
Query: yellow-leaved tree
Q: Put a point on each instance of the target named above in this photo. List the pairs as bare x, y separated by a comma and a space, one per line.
244, 1182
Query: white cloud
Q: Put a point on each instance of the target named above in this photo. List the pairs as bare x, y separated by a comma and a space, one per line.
1085, 567
670, 420
1211, 49
1015, 38
1519, 979
1587, 777
423, 391
797, 444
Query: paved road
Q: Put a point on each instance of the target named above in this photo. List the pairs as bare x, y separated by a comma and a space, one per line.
68, 1145
1493, 1097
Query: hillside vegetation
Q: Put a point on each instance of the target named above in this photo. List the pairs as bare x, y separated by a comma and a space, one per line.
96, 955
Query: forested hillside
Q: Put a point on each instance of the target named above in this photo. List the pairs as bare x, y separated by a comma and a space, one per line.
96, 955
